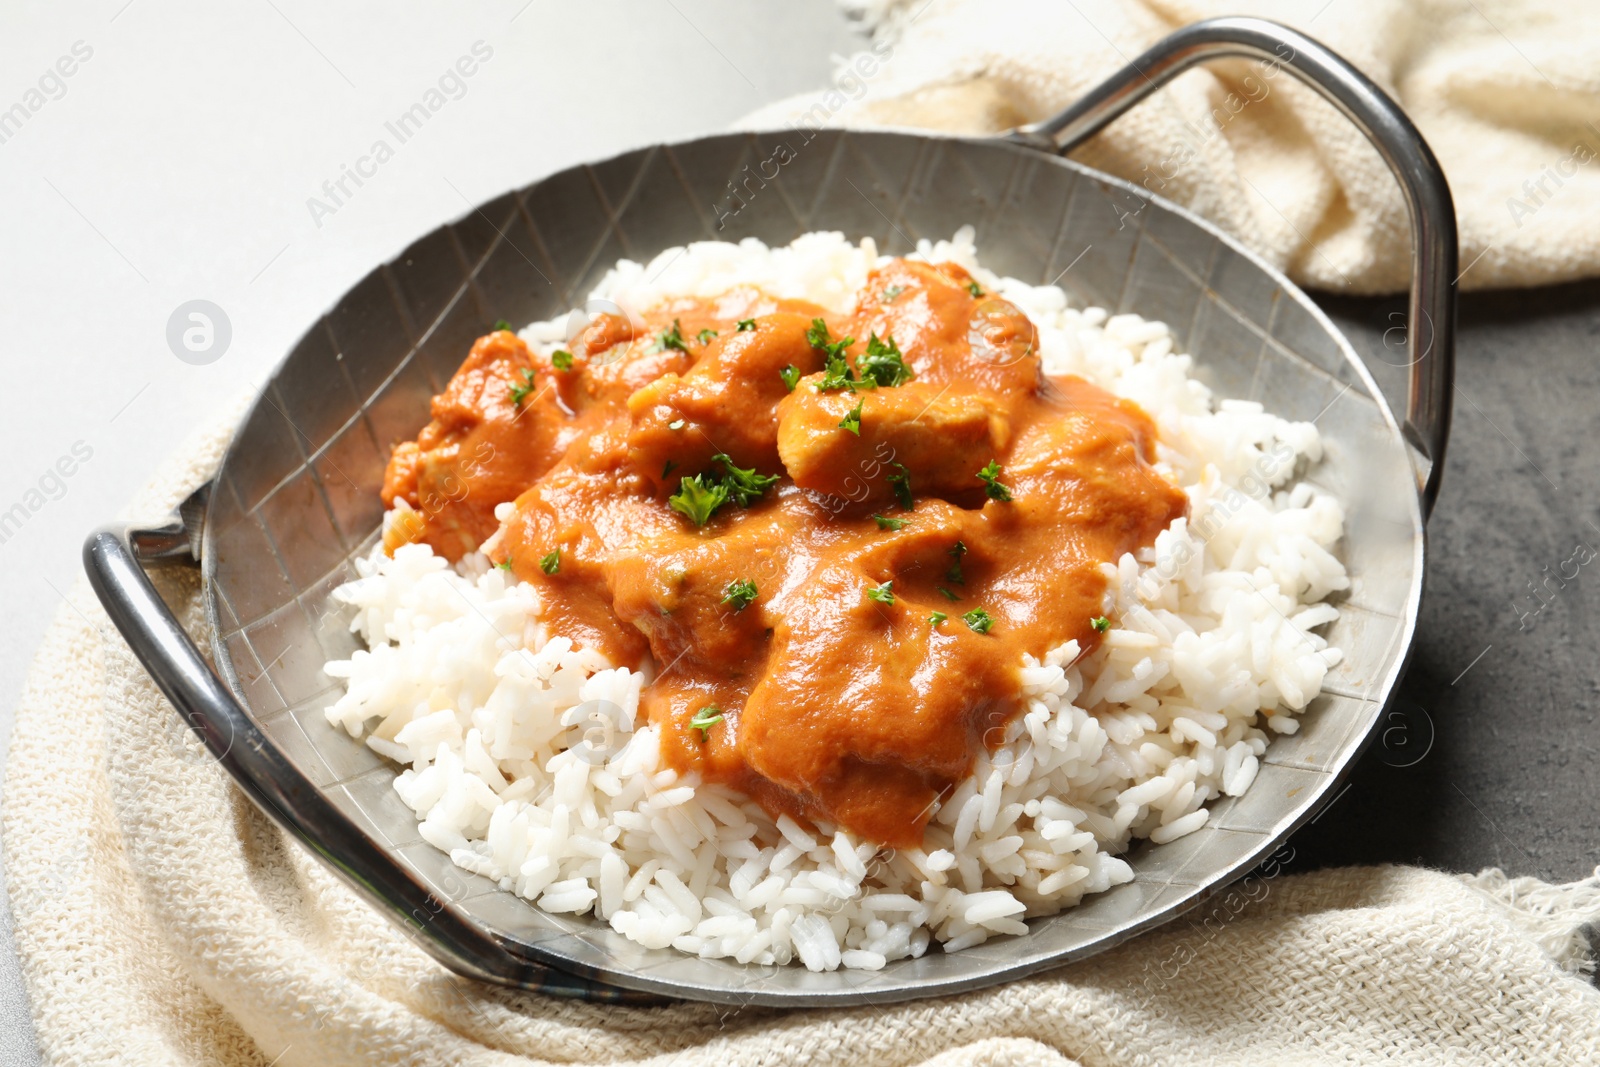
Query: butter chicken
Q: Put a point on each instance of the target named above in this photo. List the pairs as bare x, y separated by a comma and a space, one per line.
832, 537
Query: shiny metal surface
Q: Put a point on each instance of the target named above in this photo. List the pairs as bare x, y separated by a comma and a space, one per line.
1430, 347
296, 500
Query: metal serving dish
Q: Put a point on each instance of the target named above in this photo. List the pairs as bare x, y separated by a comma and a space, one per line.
296, 498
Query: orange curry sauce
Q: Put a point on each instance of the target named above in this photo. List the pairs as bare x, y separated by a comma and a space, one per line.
834, 704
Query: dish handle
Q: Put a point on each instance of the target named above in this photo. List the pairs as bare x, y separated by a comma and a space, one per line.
115, 558
1430, 350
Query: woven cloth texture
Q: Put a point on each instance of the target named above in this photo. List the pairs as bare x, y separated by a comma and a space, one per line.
1506, 92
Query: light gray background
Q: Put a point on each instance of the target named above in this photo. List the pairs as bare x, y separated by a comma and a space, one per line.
178, 165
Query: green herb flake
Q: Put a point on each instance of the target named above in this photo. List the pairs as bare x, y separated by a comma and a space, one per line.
520, 392
954, 574
561, 359
698, 500
705, 719
990, 477
502, 324
974, 288
836, 375
900, 482
742, 484
978, 621
886, 523
746, 324
852, 419
668, 467
836, 372
893, 291
883, 594
672, 338
883, 363
1100, 625
705, 335
790, 376
821, 339
936, 618
948, 595
739, 593
504, 564
551, 562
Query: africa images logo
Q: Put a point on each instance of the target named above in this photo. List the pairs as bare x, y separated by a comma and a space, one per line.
51, 85
451, 85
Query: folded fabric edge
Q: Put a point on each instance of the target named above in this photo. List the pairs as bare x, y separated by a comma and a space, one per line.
1562, 919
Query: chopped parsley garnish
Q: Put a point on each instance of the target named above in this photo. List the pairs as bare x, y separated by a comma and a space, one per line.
675, 424
790, 376
836, 372
551, 562
974, 288
954, 574
883, 594
705, 719
948, 595
561, 359
705, 335
901, 484
672, 338
883, 363
886, 523
697, 499
504, 564
936, 618
518, 392
820, 338
700, 496
742, 484
502, 324
990, 477
852, 419
893, 291
1100, 625
746, 324
978, 621
739, 593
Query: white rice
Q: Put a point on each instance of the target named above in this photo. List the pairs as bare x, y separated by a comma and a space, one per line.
527, 763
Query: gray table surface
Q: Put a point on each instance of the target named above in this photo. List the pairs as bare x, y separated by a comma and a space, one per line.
177, 164
1500, 698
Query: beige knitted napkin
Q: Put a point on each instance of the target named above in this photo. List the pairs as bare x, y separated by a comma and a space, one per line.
1507, 92
162, 920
